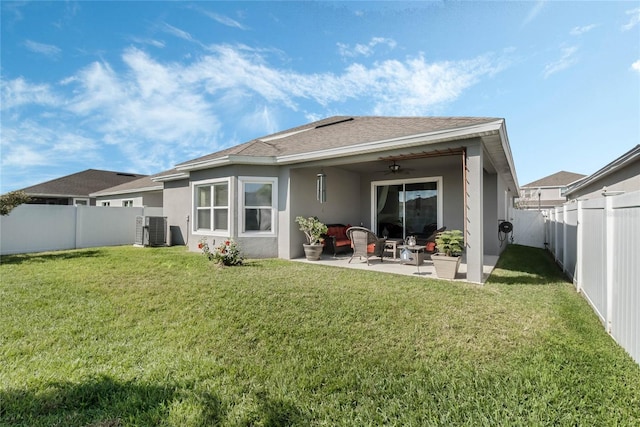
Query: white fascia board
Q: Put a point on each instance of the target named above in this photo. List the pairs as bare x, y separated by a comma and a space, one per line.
171, 177
395, 143
618, 163
506, 148
129, 191
75, 196
229, 160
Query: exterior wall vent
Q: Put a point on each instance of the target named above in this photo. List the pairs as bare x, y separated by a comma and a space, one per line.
151, 231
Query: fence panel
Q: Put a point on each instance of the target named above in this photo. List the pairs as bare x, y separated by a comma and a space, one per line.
37, 228
559, 232
625, 307
528, 228
593, 277
570, 245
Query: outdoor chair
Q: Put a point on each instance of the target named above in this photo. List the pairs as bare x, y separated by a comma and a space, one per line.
430, 242
365, 243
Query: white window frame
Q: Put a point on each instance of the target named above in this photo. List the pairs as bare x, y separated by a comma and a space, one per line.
439, 188
105, 204
127, 203
242, 181
194, 208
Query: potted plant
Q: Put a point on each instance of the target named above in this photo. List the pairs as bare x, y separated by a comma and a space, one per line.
314, 229
449, 247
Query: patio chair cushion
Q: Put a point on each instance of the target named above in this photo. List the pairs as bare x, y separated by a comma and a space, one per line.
336, 239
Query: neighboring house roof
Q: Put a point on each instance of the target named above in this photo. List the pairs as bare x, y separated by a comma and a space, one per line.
80, 184
558, 179
136, 186
619, 163
346, 135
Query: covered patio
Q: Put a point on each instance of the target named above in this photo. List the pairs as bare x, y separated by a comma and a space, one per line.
394, 266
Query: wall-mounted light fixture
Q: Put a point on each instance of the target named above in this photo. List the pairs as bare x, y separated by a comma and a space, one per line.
321, 187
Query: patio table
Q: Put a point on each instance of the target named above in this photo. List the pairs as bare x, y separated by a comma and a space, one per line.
415, 250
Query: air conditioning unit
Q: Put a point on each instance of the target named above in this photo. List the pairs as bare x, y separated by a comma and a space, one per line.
151, 231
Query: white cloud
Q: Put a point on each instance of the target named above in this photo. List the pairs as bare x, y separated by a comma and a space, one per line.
364, 49
29, 143
224, 20
578, 31
534, 11
158, 114
45, 49
177, 32
152, 42
19, 92
567, 60
634, 19
636, 66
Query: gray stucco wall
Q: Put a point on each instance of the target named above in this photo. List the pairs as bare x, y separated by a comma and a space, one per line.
177, 207
626, 179
251, 246
449, 168
343, 203
490, 201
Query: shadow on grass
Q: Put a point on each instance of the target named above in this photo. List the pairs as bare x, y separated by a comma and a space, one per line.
524, 265
106, 402
99, 402
49, 256
272, 412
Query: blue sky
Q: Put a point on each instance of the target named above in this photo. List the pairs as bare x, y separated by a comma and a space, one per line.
141, 86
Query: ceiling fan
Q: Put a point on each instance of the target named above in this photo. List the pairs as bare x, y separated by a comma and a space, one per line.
395, 168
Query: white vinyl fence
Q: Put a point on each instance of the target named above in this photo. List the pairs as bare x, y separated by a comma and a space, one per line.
528, 228
597, 243
36, 228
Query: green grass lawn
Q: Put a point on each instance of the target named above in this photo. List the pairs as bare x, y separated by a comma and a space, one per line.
159, 336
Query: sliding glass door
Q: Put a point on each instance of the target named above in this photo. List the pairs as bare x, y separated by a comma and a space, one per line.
407, 208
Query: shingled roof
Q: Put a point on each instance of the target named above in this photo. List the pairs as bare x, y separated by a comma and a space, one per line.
558, 179
142, 184
81, 184
339, 132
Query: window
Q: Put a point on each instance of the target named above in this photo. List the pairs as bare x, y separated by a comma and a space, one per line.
81, 202
211, 204
258, 201
127, 203
105, 204
408, 207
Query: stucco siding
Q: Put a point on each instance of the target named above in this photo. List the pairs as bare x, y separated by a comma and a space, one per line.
490, 202
177, 209
626, 179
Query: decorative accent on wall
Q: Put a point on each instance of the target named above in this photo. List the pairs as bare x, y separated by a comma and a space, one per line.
321, 187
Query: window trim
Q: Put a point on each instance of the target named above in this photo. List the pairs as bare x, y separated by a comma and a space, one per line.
194, 208
242, 181
105, 204
124, 203
439, 188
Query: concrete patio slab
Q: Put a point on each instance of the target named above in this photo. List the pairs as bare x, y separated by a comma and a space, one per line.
391, 266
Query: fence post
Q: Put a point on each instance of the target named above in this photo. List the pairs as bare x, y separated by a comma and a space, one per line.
609, 249
78, 231
579, 252
564, 238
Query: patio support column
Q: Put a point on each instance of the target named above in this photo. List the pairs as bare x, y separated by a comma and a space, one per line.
474, 215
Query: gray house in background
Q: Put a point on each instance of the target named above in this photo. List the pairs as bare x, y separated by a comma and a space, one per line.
547, 192
620, 176
413, 172
140, 192
76, 189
